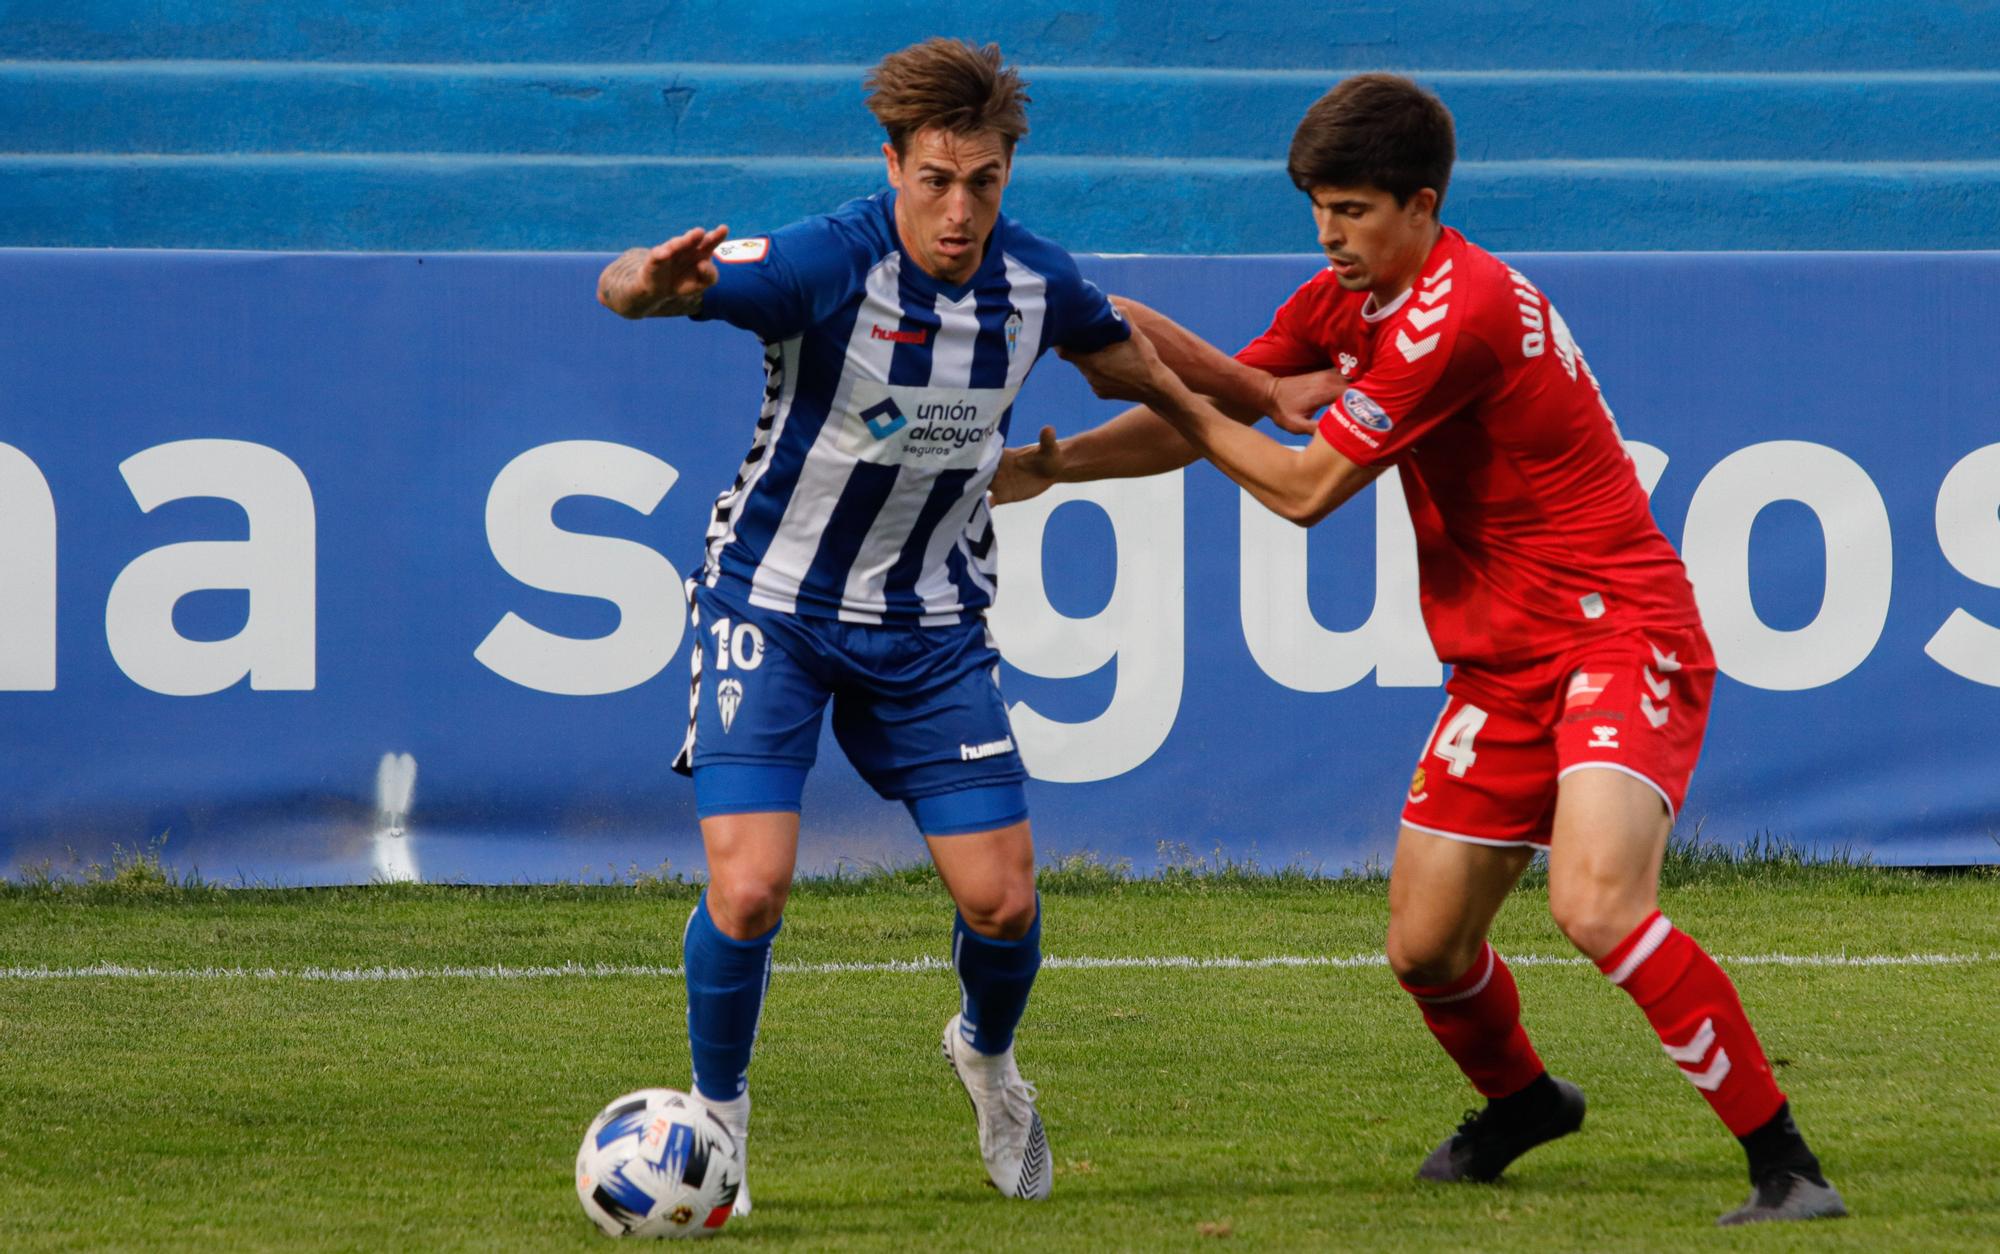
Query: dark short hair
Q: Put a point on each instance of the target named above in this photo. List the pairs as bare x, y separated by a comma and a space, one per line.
949, 84
1375, 130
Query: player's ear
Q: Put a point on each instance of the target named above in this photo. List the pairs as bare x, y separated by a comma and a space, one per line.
895, 164
1424, 202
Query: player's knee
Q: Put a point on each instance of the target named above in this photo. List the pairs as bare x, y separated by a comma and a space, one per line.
1429, 959
1003, 915
1594, 922
743, 907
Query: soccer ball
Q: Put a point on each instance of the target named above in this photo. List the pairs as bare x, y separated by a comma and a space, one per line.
657, 1163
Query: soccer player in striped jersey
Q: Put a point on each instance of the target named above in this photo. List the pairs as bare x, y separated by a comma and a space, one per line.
852, 561
1580, 672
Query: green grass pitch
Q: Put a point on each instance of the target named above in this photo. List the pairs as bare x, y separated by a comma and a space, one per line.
1210, 1108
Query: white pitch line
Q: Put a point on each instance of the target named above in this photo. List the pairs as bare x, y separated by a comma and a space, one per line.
602, 970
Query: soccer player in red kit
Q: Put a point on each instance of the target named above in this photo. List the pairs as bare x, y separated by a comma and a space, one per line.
1580, 672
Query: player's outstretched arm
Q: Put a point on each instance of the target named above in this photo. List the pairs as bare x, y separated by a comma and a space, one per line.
1303, 486
1136, 443
1240, 390
664, 281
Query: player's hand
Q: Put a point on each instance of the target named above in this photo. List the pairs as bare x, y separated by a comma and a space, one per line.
1296, 400
1130, 370
668, 278
1028, 470
682, 266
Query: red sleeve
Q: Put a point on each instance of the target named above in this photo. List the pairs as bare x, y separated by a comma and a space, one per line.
1423, 373
1289, 345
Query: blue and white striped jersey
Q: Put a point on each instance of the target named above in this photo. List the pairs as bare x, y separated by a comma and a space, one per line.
887, 397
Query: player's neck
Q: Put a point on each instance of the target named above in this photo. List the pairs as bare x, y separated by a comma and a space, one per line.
1405, 276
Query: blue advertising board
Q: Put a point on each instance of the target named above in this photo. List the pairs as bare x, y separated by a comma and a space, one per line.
331, 568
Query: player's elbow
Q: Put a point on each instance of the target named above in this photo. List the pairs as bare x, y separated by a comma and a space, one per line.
1305, 508
1313, 497
1309, 513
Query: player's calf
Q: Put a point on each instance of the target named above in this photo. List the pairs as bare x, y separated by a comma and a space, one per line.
1693, 1006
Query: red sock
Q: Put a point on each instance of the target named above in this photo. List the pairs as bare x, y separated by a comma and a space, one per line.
1477, 1018
1694, 1008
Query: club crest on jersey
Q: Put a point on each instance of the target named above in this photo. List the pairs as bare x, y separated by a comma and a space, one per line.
728, 699
1362, 408
739, 251
1013, 331
1418, 785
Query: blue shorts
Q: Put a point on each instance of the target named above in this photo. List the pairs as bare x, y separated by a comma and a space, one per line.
916, 709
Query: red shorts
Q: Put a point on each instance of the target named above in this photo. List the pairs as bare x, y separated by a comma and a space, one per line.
1636, 703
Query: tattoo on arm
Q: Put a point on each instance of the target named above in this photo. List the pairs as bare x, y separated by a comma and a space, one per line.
619, 276
615, 290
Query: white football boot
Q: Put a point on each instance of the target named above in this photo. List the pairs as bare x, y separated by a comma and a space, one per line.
735, 1116
1011, 1139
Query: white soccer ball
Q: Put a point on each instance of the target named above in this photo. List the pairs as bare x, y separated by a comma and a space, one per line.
657, 1163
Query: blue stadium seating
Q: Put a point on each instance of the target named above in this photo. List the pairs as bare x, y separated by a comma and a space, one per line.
1158, 127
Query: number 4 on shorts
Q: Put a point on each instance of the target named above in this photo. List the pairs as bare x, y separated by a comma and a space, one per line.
1453, 742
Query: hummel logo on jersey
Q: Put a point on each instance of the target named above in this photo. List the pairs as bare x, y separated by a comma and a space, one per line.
915, 335
1427, 317
1413, 349
992, 748
1348, 361
883, 418
1424, 319
1603, 736
728, 699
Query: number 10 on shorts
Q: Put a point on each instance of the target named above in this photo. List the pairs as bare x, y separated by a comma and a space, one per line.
745, 644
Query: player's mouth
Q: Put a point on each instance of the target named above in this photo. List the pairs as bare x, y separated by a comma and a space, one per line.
954, 245
1345, 267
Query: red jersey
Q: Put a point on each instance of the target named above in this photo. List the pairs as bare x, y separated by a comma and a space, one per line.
1533, 534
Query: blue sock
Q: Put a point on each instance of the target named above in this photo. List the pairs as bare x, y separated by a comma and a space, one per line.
726, 979
994, 976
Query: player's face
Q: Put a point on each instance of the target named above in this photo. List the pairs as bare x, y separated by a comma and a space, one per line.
1372, 243
947, 197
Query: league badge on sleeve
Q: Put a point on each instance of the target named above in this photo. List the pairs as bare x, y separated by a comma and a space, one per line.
1362, 408
739, 251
